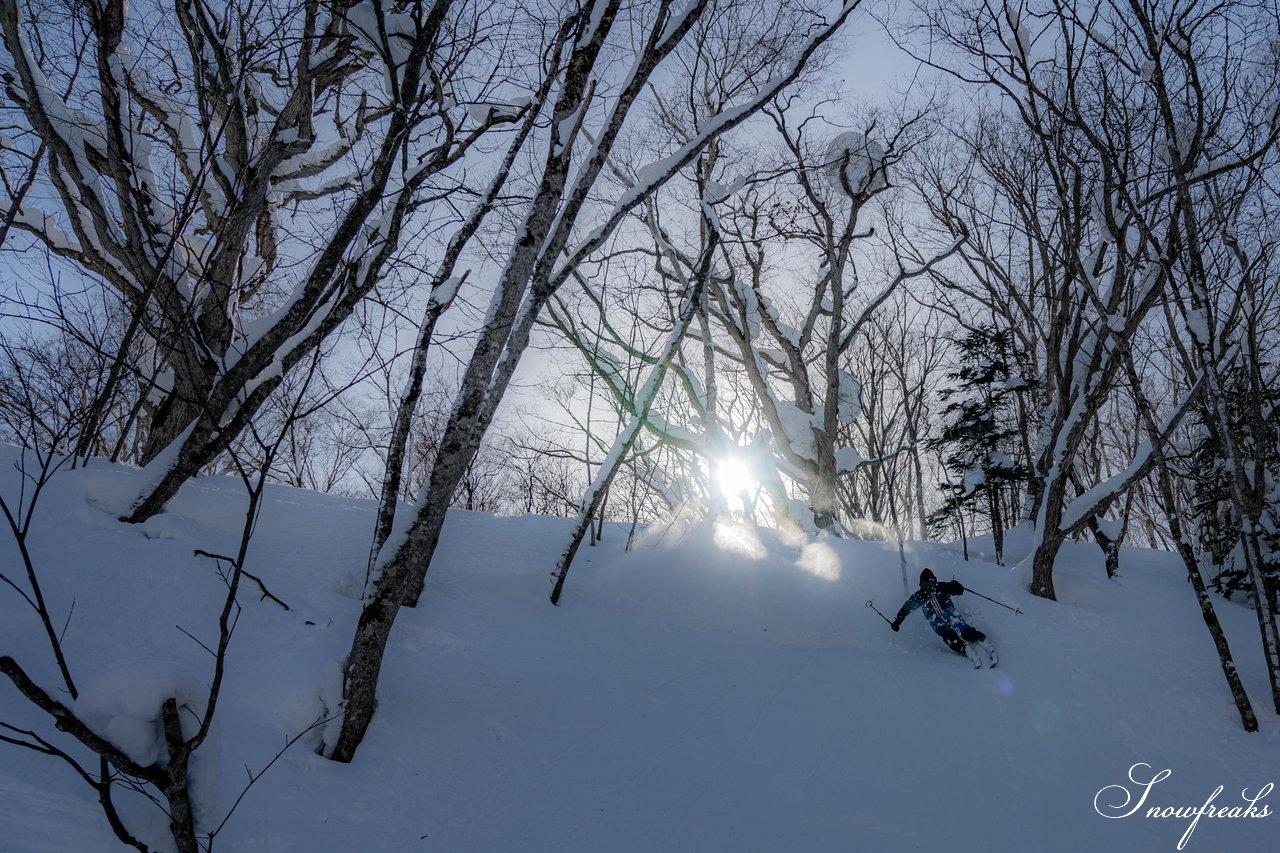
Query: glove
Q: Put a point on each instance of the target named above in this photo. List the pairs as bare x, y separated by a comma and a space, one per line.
955, 588
895, 624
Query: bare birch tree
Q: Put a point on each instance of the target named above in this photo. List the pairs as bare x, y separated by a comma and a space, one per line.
542, 256
242, 175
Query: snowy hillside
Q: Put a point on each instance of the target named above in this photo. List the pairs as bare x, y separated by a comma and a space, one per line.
709, 691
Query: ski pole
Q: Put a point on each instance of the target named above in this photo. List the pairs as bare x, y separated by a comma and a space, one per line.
877, 610
993, 601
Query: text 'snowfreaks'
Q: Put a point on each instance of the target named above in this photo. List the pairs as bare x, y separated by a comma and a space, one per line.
1118, 801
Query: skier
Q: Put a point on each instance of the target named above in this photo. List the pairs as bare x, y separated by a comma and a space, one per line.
935, 598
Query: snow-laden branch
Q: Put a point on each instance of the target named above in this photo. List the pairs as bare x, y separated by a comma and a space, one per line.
1095, 500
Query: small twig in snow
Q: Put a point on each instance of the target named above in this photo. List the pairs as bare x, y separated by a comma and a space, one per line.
202, 645
262, 586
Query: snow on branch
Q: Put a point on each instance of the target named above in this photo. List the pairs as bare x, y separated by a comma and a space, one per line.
1095, 500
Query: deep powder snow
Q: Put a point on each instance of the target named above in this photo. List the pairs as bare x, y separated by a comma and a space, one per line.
713, 690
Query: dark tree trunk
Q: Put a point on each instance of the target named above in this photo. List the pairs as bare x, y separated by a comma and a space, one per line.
1042, 565
1050, 537
997, 523
176, 790
1110, 547
1187, 552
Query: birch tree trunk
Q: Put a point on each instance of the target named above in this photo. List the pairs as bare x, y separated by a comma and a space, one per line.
442, 295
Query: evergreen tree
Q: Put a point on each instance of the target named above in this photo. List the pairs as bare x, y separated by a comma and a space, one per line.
978, 437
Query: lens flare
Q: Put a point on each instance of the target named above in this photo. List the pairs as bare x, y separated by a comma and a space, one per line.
734, 477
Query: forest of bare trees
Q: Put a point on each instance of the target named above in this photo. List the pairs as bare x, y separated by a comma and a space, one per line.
589, 259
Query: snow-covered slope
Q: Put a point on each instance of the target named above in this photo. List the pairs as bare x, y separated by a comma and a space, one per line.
712, 690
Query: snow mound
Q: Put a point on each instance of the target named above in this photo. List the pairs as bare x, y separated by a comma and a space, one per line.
713, 688
123, 704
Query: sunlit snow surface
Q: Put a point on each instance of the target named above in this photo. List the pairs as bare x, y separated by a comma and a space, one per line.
683, 697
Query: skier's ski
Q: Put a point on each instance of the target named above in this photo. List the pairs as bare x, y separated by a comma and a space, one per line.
991, 653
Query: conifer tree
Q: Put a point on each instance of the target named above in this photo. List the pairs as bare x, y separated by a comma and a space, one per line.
978, 437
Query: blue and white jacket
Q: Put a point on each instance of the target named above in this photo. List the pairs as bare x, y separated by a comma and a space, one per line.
935, 598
